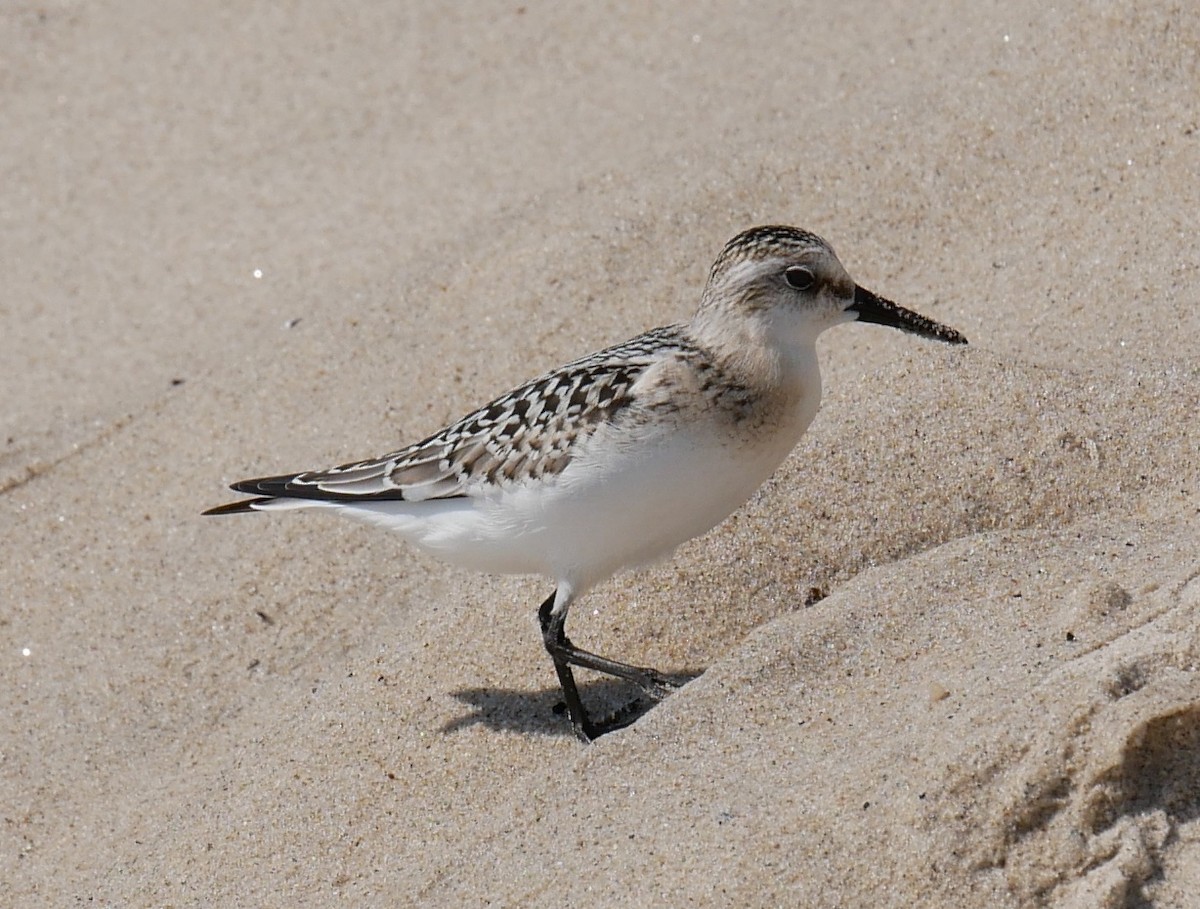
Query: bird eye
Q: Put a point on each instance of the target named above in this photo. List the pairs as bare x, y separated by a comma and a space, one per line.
799, 277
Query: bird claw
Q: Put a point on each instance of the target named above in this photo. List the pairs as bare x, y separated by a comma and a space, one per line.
656, 685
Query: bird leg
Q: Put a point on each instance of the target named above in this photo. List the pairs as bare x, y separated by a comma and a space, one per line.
565, 655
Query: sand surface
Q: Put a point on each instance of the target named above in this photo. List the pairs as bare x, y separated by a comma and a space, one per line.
247, 238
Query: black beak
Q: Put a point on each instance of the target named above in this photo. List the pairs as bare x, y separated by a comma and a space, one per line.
871, 308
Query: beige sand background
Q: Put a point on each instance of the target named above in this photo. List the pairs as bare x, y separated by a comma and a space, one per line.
247, 238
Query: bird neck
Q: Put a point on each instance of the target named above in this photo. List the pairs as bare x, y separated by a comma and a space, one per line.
753, 355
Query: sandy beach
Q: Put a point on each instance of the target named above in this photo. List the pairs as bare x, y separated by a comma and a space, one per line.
949, 655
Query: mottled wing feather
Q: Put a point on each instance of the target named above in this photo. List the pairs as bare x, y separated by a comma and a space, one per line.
529, 433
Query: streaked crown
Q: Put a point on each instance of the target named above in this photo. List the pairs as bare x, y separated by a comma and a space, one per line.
768, 241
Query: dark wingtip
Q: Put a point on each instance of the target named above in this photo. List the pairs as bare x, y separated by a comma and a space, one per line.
271, 487
241, 507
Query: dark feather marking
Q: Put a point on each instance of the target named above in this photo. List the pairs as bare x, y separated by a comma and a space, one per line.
242, 507
596, 388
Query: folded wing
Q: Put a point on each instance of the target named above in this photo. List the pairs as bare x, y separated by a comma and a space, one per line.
529, 433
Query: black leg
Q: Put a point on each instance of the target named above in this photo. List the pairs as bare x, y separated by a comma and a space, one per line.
651, 681
553, 636
565, 654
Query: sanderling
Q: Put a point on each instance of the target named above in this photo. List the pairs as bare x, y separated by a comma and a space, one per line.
615, 459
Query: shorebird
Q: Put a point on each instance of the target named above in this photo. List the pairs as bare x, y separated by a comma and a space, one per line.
616, 458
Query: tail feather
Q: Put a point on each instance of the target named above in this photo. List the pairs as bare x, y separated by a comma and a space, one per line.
270, 503
246, 505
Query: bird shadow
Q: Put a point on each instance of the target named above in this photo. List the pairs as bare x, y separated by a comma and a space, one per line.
613, 703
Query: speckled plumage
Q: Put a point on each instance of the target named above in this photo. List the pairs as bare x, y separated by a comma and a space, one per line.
527, 434
618, 457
